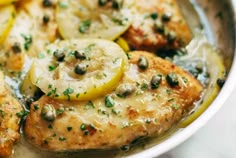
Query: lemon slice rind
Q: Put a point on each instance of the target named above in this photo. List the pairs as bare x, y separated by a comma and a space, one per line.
7, 14
86, 19
109, 63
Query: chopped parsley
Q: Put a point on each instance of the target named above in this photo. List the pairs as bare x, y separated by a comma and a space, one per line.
109, 102
22, 114
51, 67
36, 107
83, 127
53, 92
175, 106
60, 111
62, 138
28, 41
84, 26
144, 86
89, 105
67, 92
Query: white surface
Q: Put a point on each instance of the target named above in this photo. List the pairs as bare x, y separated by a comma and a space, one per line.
217, 139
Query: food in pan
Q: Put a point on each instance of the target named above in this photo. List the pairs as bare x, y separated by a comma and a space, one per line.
99, 74
150, 96
10, 114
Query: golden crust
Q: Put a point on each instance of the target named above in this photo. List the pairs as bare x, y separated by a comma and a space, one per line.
9, 130
146, 112
29, 33
142, 35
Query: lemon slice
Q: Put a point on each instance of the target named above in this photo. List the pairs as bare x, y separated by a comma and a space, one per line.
200, 48
88, 19
58, 75
3, 2
7, 14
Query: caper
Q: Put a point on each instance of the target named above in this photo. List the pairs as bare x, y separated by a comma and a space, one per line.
80, 55
116, 4
59, 55
171, 36
172, 79
220, 82
159, 26
16, 48
166, 16
47, 3
80, 69
155, 81
199, 66
143, 63
125, 90
154, 15
46, 19
102, 2
48, 112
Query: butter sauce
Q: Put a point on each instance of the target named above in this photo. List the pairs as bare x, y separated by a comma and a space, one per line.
23, 149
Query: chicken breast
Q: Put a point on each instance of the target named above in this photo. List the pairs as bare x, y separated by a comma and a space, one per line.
9, 121
152, 96
157, 25
34, 28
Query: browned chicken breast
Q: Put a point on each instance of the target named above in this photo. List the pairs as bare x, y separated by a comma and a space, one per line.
157, 25
33, 29
152, 96
9, 121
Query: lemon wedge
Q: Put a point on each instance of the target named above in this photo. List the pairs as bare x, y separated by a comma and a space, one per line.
200, 48
79, 69
88, 19
7, 14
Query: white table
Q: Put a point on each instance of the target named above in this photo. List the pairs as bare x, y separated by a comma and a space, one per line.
217, 139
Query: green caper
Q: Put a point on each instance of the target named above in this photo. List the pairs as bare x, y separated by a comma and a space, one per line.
143, 63
220, 82
155, 81
47, 3
80, 69
80, 54
46, 19
48, 112
59, 55
154, 15
16, 48
159, 26
172, 79
102, 2
116, 4
125, 90
166, 16
171, 36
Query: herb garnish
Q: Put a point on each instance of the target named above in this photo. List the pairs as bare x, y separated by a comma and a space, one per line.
109, 102
28, 41
84, 26
22, 114
67, 92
